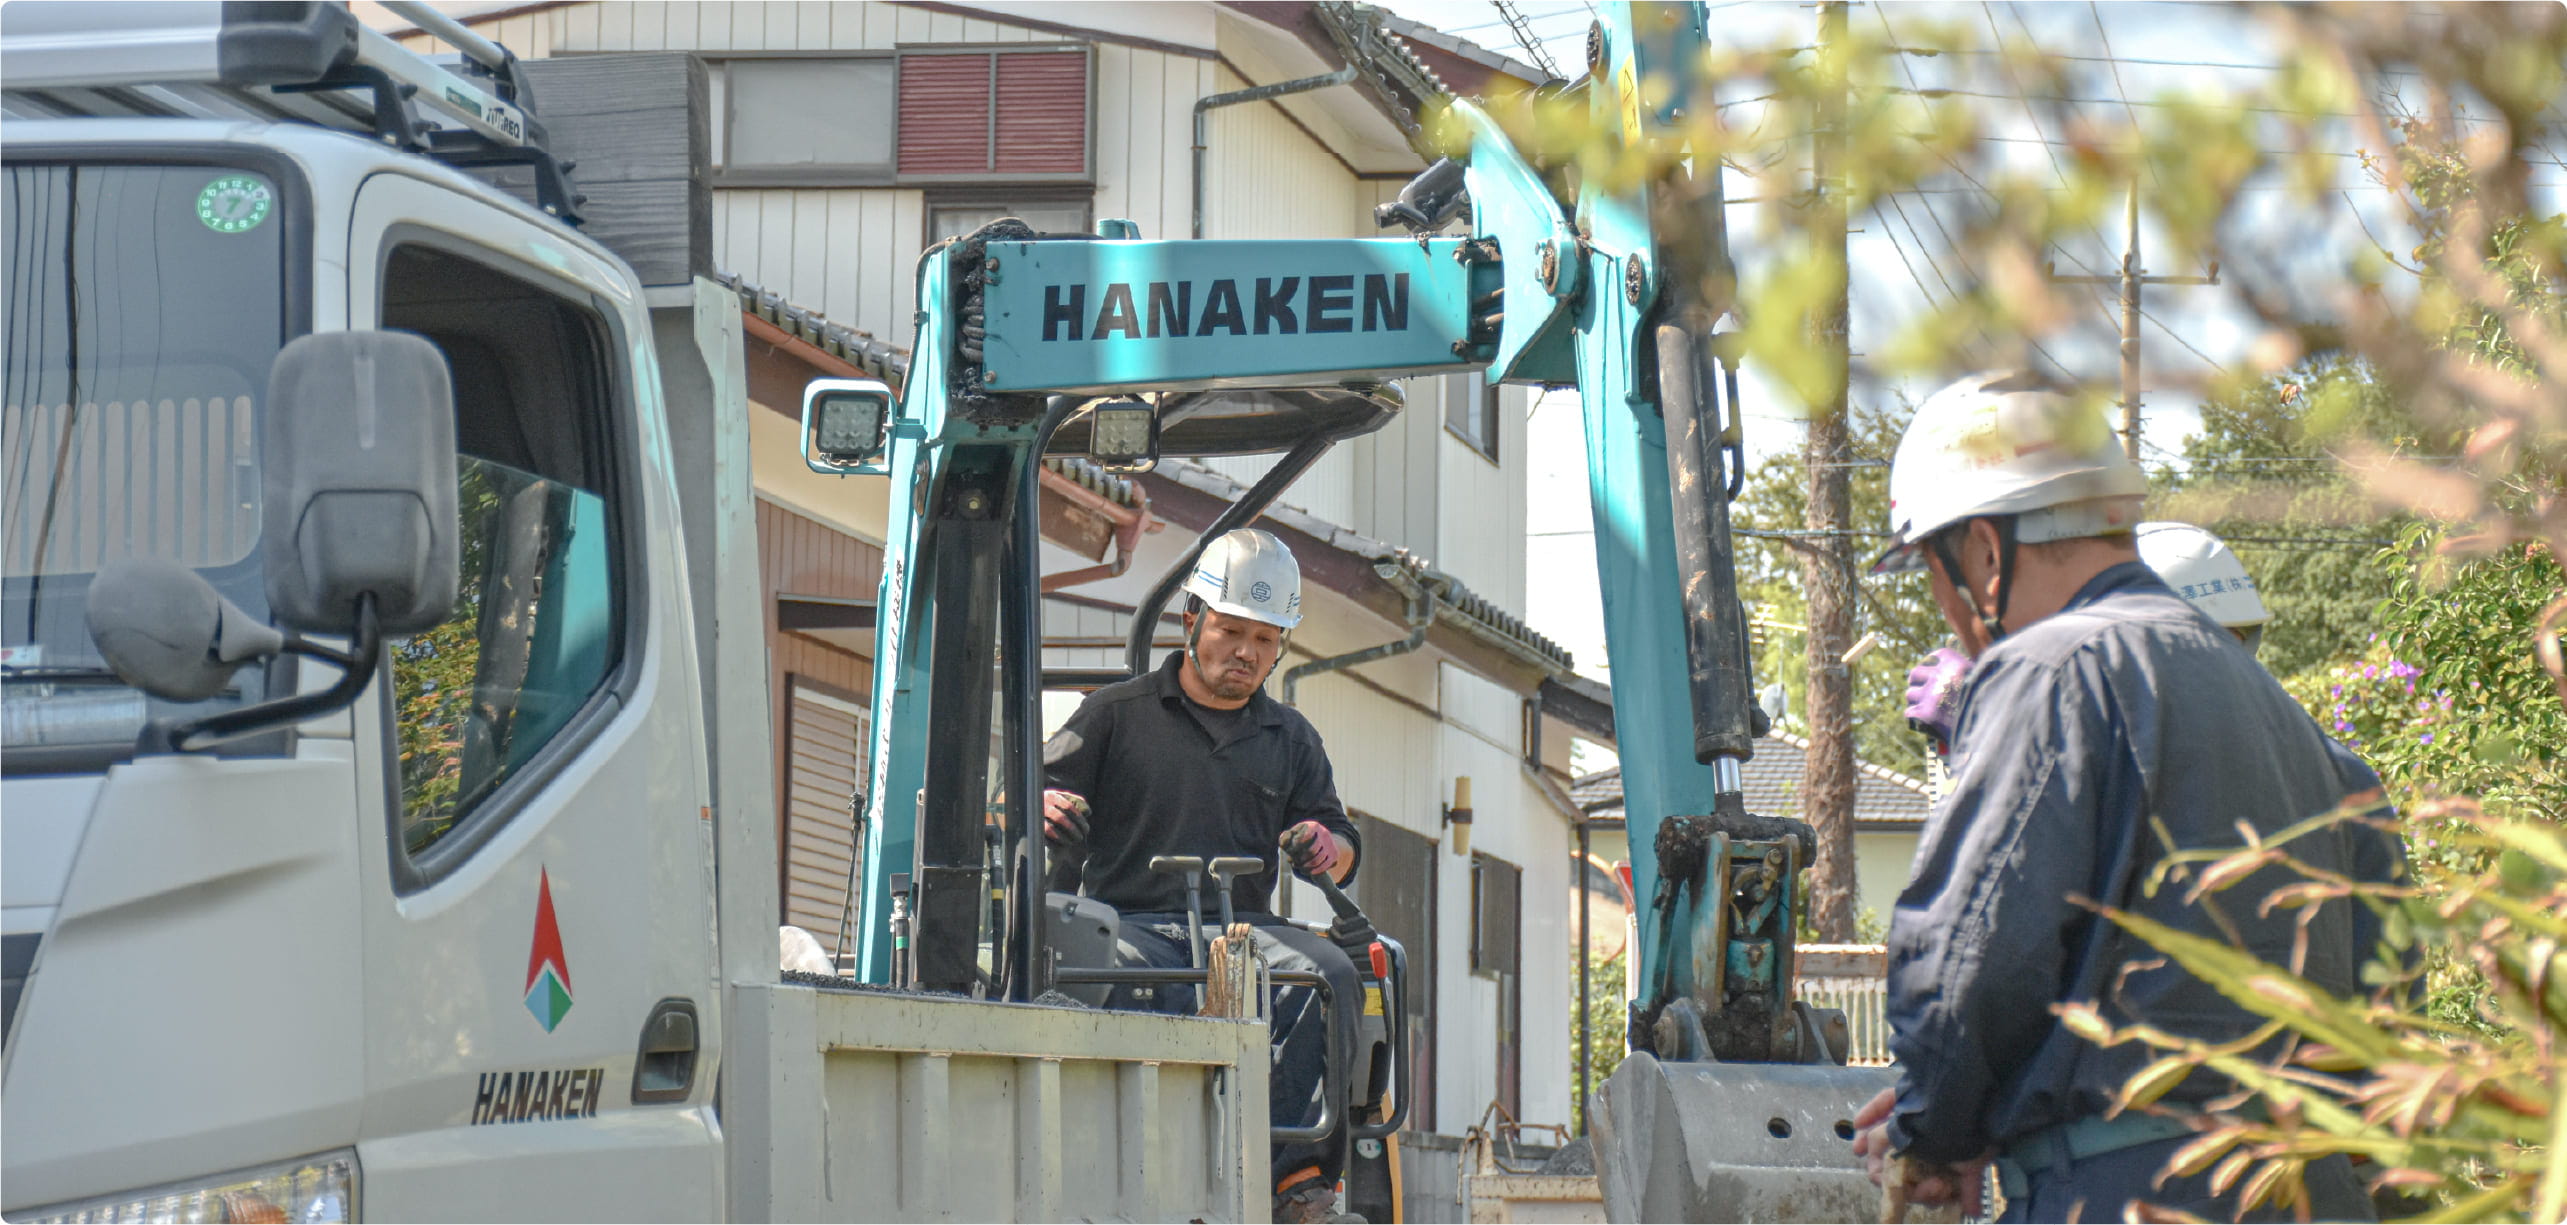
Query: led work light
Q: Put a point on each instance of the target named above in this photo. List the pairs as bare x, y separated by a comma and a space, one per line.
1123, 436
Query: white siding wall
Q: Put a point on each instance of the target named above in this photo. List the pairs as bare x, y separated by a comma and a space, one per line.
1480, 516
1482, 738
851, 254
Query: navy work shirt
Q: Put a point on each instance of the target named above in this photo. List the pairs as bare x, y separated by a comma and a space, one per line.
2087, 742
1166, 776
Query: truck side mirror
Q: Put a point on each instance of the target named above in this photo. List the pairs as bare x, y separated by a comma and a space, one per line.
845, 423
359, 458
167, 632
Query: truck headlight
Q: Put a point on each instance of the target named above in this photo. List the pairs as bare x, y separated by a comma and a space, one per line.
317, 1188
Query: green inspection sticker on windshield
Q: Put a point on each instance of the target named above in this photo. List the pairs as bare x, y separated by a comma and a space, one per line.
234, 203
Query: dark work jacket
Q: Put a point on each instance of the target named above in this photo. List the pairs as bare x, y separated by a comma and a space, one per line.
2087, 742
1158, 783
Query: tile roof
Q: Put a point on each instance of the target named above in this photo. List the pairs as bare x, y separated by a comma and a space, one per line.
1882, 796
1419, 32
1454, 596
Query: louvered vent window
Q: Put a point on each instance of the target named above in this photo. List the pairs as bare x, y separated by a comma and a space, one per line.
1017, 115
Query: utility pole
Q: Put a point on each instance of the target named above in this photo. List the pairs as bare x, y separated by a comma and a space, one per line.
2131, 279
1827, 777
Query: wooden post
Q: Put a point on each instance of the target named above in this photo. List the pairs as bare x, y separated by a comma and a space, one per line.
1827, 776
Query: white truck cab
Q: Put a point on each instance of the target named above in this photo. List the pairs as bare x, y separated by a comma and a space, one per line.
387, 926
409, 905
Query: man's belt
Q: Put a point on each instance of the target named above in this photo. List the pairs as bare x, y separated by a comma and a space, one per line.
2091, 1136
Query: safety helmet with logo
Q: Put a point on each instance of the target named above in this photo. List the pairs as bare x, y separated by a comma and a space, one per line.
2202, 569
2015, 447
1249, 573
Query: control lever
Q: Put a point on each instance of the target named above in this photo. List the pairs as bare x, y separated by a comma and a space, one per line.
1352, 931
1191, 866
1225, 873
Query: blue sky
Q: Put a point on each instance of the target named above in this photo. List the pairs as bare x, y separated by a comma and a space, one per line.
1900, 261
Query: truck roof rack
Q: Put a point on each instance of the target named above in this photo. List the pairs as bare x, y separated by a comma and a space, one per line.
302, 61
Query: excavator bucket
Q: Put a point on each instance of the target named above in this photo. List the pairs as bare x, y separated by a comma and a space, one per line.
1709, 1141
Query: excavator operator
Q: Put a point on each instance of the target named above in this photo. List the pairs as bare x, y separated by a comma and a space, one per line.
2102, 724
1195, 759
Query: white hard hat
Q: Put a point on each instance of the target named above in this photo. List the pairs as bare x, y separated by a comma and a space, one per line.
2000, 443
2202, 569
1249, 573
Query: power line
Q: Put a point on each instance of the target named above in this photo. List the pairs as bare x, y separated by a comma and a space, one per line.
1937, 218
2096, 11
2338, 542
2035, 116
1954, 90
1901, 249
1523, 32
2157, 63
2069, 144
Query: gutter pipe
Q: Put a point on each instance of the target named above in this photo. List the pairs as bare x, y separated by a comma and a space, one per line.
1203, 108
1421, 617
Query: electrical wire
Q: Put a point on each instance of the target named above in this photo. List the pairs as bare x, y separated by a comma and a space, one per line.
2096, 11
1937, 218
2029, 112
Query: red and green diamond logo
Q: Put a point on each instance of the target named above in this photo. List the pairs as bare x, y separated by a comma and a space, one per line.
547, 971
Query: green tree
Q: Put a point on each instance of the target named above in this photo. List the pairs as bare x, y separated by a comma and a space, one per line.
2260, 475
1897, 607
1608, 1019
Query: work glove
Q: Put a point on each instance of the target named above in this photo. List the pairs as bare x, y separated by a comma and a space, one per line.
1065, 818
1311, 848
1930, 689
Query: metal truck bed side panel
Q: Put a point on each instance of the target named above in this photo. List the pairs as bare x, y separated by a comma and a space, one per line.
913, 1108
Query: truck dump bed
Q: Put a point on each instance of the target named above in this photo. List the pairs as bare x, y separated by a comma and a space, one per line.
932, 1109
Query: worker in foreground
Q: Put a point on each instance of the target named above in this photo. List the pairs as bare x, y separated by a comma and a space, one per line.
2196, 564
1195, 759
2102, 723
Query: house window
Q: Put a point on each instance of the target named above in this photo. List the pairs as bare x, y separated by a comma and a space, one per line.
805, 121
1497, 942
1497, 892
918, 115
961, 215
1470, 412
983, 114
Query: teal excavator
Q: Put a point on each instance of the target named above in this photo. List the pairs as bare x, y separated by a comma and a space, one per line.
1735, 1103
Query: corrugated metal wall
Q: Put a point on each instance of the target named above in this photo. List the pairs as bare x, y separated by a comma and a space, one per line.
824, 737
804, 557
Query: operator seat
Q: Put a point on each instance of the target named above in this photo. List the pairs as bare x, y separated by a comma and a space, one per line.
1082, 931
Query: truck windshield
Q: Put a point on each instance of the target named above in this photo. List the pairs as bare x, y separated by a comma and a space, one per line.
145, 304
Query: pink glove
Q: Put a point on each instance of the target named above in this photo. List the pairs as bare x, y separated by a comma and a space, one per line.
1930, 687
1311, 848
